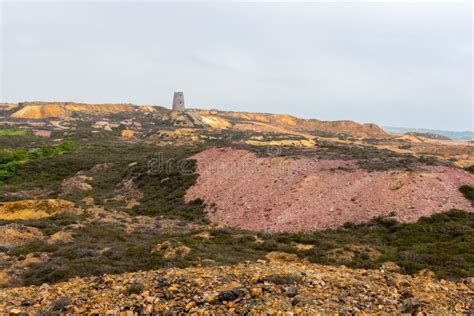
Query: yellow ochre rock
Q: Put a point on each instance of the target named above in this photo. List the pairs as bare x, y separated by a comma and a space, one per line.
40, 111
44, 110
34, 209
215, 121
127, 133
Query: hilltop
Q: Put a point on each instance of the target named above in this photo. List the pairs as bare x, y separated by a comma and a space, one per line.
210, 118
281, 129
461, 136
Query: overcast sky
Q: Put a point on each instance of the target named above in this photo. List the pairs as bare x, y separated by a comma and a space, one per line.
396, 64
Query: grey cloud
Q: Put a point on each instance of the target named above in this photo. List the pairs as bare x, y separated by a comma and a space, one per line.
398, 64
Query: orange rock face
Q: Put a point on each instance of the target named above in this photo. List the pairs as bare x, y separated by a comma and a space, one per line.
62, 110
41, 111
292, 124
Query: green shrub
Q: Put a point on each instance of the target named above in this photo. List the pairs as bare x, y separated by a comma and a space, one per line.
60, 304
468, 192
12, 161
135, 288
13, 132
283, 279
65, 146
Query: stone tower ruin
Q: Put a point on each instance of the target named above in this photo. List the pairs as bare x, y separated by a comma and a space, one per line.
178, 101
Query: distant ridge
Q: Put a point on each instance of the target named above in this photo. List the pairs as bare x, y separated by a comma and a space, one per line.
464, 136
215, 119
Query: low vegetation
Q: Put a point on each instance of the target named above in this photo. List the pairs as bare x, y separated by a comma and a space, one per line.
470, 169
443, 243
161, 172
368, 157
468, 192
13, 132
60, 304
11, 161
135, 288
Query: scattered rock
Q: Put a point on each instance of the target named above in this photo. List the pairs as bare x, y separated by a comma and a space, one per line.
171, 249
411, 305
303, 247
207, 263
190, 305
256, 291
127, 133
76, 183
276, 256
243, 288
390, 267
349, 252
64, 237
26, 303
295, 301
128, 193
13, 235
88, 200
291, 291
60, 304
226, 296
101, 167
426, 273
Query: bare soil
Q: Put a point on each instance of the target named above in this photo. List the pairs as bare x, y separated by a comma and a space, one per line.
287, 194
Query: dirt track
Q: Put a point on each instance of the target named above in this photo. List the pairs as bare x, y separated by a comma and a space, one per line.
284, 194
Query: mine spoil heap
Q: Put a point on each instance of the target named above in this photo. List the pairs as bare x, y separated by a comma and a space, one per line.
280, 284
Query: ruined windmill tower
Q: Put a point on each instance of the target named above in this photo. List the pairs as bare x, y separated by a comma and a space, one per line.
178, 102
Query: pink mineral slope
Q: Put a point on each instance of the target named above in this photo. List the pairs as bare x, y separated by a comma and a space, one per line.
288, 195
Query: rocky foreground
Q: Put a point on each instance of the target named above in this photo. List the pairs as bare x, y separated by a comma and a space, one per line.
281, 285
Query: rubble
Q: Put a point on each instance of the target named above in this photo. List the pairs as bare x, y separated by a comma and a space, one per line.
126, 133
245, 288
171, 249
76, 183
13, 235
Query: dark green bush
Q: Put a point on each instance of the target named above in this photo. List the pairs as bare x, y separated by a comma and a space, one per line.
283, 279
135, 288
60, 304
468, 192
470, 169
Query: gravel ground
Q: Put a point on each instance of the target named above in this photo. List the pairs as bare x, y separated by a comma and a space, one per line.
276, 286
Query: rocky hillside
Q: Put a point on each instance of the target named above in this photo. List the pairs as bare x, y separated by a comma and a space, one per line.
124, 208
308, 193
282, 283
213, 119
273, 122
43, 110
